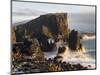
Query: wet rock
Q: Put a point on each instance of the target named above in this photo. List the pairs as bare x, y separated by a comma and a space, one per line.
50, 65
74, 40
61, 50
58, 59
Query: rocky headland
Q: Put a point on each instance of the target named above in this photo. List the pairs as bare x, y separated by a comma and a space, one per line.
30, 41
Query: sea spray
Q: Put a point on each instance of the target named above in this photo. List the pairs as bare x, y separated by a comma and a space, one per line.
79, 56
86, 37
73, 56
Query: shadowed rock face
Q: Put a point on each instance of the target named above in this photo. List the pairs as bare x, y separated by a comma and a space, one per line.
56, 23
74, 40
43, 27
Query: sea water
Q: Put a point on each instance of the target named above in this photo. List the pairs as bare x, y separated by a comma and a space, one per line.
86, 58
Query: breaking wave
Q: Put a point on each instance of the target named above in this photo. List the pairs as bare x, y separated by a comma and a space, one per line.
86, 37
80, 56
75, 57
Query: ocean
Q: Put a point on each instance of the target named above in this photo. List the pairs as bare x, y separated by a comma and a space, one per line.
86, 57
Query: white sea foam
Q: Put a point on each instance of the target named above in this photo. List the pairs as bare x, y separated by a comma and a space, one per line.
78, 57
86, 37
74, 57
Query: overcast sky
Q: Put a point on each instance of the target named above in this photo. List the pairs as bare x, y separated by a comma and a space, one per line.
81, 18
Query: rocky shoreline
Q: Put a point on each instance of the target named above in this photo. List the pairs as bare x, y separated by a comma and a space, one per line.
43, 34
29, 65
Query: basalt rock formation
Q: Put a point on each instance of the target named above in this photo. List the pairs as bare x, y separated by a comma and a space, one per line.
31, 39
42, 28
74, 40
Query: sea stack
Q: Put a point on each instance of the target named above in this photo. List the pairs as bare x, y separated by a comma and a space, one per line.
74, 40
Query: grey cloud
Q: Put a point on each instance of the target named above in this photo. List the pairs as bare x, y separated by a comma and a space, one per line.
26, 12
82, 21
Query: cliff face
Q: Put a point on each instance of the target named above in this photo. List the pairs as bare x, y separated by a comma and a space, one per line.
50, 25
56, 23
43, 27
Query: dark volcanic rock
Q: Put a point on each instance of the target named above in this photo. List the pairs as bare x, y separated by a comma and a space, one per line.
50, 65
42, 28
61, 50
58, 59
74, 40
